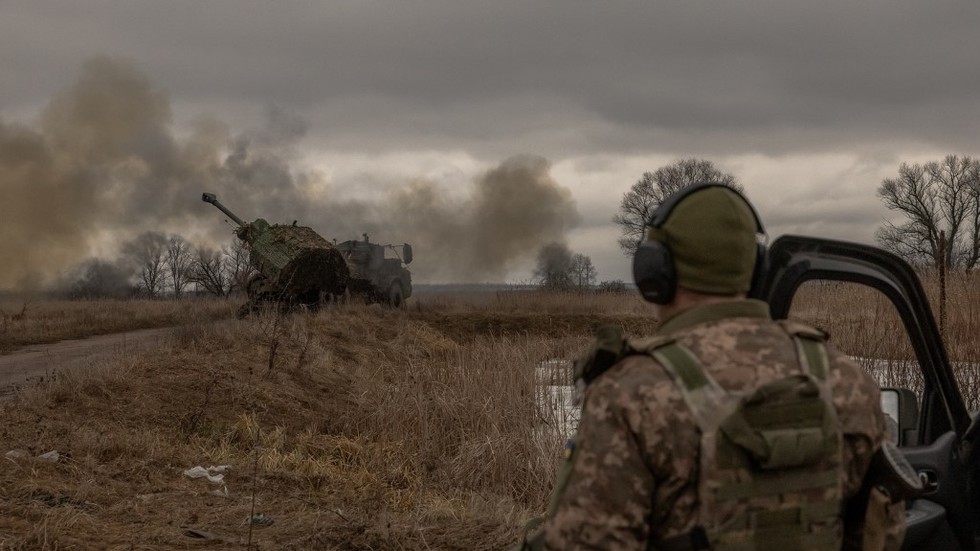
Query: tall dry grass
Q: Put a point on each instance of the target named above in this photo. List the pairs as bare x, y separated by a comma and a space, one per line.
863, 323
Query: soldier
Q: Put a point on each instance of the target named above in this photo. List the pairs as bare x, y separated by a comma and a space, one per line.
725, 430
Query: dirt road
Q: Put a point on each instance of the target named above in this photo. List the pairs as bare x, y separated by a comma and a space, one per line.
39, 362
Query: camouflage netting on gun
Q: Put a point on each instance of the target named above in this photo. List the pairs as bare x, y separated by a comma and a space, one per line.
316, 269
313, 262
299, 237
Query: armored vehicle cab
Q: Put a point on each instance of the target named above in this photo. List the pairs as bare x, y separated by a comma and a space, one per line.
377, 271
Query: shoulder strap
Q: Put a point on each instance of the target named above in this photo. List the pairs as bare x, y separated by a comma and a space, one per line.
813, 357
678, 360
704, 397
810, 348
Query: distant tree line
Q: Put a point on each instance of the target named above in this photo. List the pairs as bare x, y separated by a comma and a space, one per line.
156, 265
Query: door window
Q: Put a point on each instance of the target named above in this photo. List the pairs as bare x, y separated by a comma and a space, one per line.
865, 325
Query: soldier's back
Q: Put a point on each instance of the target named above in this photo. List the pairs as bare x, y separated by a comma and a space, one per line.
640, 397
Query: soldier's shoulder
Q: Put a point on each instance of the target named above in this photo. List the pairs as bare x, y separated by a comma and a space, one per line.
802, 330
638, 379
610, 349
847, 370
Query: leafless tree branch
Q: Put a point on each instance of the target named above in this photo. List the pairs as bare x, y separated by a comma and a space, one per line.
652, 188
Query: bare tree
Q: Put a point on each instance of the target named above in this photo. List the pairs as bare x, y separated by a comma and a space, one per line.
970, 252
583, 273
240, 270
934, 197
652, 188
179, 261
210, 271
147, 253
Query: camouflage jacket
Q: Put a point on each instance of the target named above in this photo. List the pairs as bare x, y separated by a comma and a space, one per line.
633, 474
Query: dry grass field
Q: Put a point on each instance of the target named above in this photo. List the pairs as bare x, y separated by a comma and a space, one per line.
864, 324
355, 427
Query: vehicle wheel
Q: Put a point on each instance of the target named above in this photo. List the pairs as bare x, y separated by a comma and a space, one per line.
310, 300
395, 295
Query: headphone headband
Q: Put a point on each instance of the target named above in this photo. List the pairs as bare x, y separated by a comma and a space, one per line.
662, 213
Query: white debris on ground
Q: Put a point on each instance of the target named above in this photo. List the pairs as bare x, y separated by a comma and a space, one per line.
214, 474
50, 457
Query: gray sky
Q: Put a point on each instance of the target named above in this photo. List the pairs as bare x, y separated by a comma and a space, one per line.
809, 104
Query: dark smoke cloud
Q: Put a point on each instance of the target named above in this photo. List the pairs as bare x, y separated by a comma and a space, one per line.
105, 163
97, 278
553, 268
514, 209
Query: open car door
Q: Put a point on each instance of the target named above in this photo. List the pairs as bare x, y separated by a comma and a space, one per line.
941, 445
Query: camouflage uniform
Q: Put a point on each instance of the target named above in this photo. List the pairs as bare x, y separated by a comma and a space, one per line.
633, 475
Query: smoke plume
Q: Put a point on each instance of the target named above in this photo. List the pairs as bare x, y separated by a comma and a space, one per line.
513, 210
103, 162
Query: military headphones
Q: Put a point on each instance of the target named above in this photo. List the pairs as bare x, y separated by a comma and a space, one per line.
653, 266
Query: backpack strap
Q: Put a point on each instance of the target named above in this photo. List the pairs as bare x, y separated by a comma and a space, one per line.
679, 361
705, 398
811, 349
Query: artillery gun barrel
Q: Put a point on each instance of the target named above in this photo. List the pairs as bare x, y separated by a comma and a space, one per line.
210, 198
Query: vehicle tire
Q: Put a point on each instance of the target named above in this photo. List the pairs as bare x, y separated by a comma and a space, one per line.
395, 299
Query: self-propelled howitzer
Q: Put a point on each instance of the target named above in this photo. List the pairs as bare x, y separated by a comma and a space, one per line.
294, 264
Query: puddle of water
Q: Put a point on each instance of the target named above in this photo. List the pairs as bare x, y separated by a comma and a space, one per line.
557, 399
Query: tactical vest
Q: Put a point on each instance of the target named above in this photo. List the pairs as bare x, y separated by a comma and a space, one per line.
770, 456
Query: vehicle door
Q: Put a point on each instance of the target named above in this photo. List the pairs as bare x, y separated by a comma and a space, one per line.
937, 435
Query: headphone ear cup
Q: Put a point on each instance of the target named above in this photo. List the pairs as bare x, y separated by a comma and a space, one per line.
759, 272
654, 272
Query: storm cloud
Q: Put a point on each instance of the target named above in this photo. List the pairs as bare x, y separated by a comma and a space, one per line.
765, 89
631, 75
